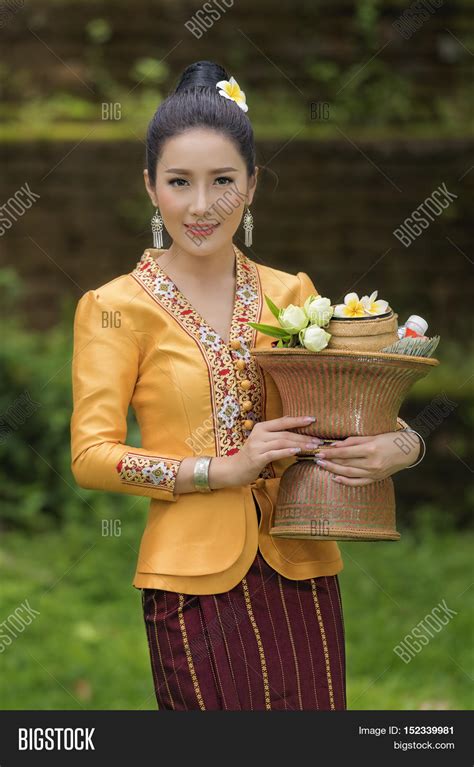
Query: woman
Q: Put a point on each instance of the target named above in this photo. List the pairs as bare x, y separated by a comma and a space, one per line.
235, 618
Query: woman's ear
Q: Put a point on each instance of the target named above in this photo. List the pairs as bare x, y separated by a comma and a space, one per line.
149, 188
252, 185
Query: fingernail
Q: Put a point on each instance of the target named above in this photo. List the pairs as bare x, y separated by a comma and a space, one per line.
321, 463
296, 450
310, 418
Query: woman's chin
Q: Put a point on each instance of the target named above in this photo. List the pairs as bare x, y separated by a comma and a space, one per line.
198, 242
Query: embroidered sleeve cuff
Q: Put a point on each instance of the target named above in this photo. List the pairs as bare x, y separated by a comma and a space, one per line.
149, 471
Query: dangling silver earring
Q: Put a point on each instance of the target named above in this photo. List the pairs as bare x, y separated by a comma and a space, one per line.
248, 226
157, 229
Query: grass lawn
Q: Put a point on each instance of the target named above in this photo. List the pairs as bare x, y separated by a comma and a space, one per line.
87, 647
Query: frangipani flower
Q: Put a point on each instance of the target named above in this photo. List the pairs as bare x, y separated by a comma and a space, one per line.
352, 307
292, 319
314, 338
372, 306
318, 310
231, 90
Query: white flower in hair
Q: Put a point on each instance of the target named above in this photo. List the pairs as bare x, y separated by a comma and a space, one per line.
231, 90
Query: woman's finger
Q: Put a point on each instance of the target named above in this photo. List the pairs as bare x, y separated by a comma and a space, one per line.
347, 453
358, 463
347, 471
351, 441
303, 438
353, 482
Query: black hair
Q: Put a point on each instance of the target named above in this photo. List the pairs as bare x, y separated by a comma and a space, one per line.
196, 102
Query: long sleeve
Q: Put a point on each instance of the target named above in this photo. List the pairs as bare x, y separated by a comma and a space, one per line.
105, 369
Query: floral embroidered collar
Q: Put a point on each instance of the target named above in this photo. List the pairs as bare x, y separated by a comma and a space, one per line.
238, 386
247, 301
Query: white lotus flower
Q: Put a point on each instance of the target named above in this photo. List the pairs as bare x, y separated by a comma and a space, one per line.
318, 310
352, 307
314, 338
293, 319
371, 306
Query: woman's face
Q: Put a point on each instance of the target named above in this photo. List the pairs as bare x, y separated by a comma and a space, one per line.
201, 190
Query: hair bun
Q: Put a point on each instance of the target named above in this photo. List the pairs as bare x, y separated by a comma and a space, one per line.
197, 103
201, 74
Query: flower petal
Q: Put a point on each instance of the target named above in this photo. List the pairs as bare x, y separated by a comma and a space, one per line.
351, 297
379, 307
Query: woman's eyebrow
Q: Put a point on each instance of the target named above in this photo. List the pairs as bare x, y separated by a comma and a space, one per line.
189, 172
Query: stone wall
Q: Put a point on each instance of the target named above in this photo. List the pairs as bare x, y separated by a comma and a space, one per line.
327, 208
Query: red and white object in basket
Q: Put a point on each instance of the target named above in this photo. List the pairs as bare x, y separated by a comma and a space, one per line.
414, 327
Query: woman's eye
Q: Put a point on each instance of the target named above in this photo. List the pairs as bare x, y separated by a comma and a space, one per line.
174, 181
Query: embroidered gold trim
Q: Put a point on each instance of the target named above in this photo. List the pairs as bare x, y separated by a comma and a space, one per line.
337, 636
148, 471
274, 631
324, 640
263, 662
227, 396
189, 657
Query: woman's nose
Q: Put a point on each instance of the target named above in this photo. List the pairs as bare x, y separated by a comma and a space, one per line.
199, 204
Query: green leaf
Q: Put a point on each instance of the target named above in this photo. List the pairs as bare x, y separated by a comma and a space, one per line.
274, 309
269, 330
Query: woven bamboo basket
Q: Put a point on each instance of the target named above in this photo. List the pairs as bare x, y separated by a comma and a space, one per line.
351, 393
370, 334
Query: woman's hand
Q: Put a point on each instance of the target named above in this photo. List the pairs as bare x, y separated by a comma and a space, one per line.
359, 461
269, 441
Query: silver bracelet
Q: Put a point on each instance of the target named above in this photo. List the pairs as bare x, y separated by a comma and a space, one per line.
201, 474
424, 447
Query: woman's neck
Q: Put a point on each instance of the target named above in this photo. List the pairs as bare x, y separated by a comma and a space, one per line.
214, 268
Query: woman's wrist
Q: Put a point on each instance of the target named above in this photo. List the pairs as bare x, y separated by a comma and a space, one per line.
414, 439
421, 445
223, 472
414, 446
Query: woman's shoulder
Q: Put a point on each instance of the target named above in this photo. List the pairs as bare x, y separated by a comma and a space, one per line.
284, 283
116, 291
271, 271
120, 290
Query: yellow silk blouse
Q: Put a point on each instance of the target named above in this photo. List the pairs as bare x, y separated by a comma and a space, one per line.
138, 341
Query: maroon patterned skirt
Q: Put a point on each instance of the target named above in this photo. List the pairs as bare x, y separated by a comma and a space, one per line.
270, 643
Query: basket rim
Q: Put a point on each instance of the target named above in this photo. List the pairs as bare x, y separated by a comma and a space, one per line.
411, 359
390, 315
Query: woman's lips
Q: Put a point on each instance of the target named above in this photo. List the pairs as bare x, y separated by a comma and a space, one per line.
203, 230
